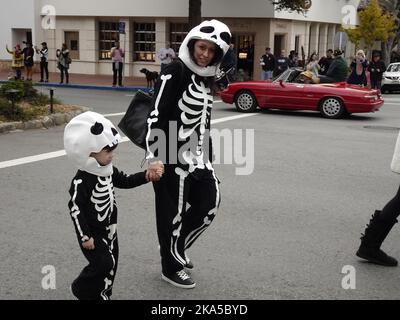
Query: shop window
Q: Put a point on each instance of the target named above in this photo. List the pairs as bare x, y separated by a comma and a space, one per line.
178, 32
108, 35
144, 42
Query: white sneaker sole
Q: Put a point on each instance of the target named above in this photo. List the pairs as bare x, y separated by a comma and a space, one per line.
189, 286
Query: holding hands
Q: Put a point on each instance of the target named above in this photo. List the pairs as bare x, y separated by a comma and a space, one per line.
155, 171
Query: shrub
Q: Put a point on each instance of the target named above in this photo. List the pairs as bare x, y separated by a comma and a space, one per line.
13, 85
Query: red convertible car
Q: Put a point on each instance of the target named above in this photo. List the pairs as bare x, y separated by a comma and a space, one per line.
287, 91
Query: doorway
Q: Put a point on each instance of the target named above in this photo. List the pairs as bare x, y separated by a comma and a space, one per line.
279, 44
245, 55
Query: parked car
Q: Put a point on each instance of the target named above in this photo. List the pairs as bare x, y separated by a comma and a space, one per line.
391, 78
333, 100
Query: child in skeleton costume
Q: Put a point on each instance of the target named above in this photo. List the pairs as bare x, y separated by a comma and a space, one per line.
89, 141
182, 103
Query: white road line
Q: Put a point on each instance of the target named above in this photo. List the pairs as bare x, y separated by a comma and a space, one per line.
61, 153
114, 114
392, 103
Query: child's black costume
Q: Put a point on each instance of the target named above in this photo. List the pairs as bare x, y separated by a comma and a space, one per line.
182, 110
92, 206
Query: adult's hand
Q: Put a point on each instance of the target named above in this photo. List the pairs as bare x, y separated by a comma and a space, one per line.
155, 171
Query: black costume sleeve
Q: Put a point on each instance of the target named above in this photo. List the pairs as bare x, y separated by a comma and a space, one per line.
124, 181
165, 94
77, 206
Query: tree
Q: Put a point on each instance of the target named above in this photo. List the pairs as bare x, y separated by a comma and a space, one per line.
194, 13
300, 6
392, 7
375, 25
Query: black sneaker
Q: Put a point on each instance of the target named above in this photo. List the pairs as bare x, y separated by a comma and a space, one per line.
180, 279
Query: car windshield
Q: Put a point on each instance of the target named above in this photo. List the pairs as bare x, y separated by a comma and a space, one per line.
288, 76
394, 68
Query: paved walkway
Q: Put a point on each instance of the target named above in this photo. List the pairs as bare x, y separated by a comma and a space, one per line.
85, 81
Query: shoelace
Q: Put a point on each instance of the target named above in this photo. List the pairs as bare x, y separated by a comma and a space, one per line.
183, 275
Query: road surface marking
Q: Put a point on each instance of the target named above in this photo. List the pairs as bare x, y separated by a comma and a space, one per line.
61, 153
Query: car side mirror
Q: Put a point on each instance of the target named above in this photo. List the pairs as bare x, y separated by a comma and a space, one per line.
281, 83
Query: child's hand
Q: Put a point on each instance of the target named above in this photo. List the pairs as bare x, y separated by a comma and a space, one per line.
155, 171
88, 245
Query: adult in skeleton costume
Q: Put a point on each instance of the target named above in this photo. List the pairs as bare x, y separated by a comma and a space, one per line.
183, 102
92, 206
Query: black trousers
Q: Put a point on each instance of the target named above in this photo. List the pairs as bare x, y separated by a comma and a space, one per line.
376, 83
44, 69
117, 71
392, 209
63, 71
96, 280
178, 227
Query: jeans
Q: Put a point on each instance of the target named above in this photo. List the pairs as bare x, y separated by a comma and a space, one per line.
117, 70
266, 74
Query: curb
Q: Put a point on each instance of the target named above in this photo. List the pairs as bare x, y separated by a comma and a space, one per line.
46, 122
86, 86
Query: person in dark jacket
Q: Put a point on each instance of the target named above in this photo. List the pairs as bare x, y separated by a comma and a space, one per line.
267, 62
28, 60
337, 71
376, 68
282, 63
325, 62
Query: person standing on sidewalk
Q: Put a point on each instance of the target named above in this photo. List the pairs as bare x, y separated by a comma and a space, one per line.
28, 60
117, 57
63, 62
17, 63
376, 68
267, 62
166, 55
325, 62
44, 61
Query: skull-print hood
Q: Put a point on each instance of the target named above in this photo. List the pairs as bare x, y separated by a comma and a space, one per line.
86, 133
211, 30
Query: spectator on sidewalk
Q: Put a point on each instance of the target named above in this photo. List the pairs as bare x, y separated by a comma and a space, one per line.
376, 68
17, 63
166, 55
325, 62
117, 57
28, 60
44, 61
63, 62
267, 62
293, 59
358, 68
282, 63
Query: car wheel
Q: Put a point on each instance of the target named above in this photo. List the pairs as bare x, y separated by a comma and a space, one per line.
245, 101
332, 108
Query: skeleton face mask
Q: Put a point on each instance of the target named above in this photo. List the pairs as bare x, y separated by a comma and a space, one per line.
214, 31
86, 133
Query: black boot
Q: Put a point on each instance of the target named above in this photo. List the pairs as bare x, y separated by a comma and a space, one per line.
375, 233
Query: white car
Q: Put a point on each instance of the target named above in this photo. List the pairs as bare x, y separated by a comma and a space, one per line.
391, 78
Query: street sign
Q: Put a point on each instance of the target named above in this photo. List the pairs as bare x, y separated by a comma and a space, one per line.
121, 27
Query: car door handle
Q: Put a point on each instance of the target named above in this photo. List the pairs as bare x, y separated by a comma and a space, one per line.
310, 95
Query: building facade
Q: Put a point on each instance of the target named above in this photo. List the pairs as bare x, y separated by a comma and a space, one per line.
90, 28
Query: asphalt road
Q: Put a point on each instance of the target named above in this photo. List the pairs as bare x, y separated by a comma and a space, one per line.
283, 232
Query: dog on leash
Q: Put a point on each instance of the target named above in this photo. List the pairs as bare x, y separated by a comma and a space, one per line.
151, 77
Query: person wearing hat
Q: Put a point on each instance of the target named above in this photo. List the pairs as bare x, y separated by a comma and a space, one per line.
358, 68
44, 61
376, 68
308, 77
337, 71
17, 63
179, 135
90, 140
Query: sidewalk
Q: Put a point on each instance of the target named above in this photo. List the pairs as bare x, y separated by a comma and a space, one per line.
84, 81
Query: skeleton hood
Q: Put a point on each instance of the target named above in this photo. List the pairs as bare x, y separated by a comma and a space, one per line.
211, 30
86, 133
